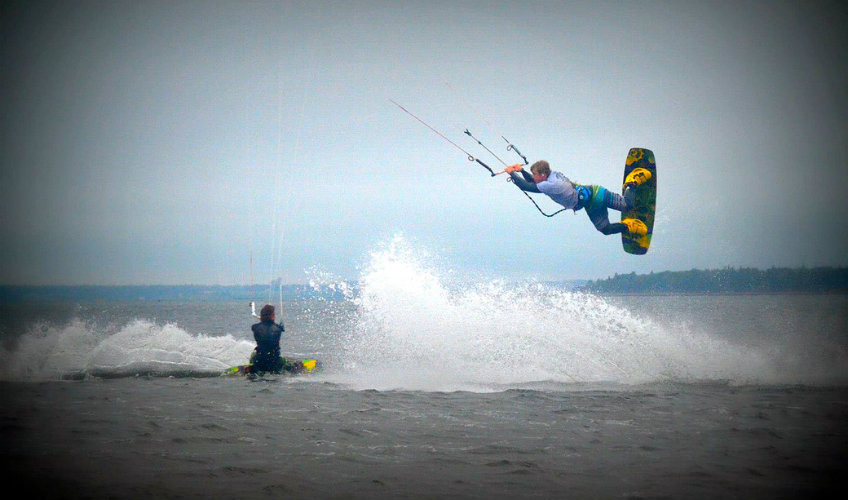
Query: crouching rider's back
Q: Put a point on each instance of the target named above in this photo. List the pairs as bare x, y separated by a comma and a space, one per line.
266, 356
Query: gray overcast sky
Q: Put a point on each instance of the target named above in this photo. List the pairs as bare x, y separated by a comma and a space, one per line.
164, 142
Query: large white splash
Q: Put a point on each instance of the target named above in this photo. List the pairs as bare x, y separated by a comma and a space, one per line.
140, 347
416, 330
410, 324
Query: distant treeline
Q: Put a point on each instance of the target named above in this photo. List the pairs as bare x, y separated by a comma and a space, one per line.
158, 293
727, 280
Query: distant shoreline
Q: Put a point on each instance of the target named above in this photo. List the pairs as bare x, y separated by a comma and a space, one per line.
152, 293
716, 294
727, 281
10, 297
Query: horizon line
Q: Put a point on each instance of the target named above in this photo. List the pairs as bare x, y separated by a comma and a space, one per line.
558, 280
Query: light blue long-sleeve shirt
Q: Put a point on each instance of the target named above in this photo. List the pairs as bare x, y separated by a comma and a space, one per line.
557, 186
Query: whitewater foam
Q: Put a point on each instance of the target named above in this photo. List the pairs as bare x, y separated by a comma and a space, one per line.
414, 331
47, 352
410, 323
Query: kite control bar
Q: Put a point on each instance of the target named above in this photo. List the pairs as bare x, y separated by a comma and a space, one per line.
510, 147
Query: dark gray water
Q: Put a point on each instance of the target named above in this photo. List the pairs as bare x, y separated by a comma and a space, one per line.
432, 391
229, 438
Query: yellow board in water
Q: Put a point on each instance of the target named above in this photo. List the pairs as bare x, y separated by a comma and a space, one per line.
309, 365
645, 204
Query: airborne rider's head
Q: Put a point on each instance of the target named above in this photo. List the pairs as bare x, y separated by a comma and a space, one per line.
540, 170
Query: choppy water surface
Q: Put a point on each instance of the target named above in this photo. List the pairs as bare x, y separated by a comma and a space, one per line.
433, 388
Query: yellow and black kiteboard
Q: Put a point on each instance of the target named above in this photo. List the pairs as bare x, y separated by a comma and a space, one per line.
645, 203
303, 367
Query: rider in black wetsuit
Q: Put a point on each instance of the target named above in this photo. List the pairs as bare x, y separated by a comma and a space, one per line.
266, 357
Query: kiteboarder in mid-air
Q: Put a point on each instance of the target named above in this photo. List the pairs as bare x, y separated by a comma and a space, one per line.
637, 204
595, 199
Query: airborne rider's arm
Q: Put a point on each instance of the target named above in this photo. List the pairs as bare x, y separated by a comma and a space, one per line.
524, 181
